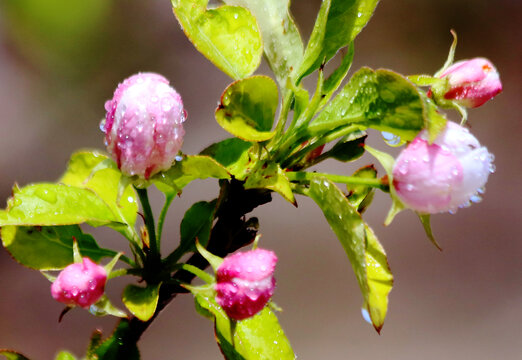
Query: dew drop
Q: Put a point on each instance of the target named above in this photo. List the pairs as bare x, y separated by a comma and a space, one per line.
475, 198
492, 168
391, 139
366, 315
46, 195
102, 125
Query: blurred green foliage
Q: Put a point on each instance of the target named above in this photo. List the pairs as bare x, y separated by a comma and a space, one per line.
60, 34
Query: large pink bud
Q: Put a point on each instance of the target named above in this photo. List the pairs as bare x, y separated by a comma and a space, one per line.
470, 83
245, 282
443, 176
144, 125
80, 284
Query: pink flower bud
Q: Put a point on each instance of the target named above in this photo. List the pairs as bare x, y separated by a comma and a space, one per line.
245, 282
80, 284
470, 82
144, 125
443, 176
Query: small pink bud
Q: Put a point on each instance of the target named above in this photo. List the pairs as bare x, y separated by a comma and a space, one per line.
245, 282
470, 82
443, 176
80, 284
144, 125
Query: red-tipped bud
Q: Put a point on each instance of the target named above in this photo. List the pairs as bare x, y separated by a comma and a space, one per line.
470, 83
144, 125
245, 282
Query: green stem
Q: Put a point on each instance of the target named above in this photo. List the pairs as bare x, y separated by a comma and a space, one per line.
149, 223
352, 180
324, 140
163, 214
283, 115
296, 127
117, 273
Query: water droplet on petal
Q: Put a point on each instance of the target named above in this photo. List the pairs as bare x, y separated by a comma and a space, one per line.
475, 198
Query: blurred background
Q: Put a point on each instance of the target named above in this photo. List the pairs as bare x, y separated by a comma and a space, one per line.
61, 59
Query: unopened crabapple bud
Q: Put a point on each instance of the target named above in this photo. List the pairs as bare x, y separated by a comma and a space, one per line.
445, 175
245, 282
470, 83
144, 125
81, 284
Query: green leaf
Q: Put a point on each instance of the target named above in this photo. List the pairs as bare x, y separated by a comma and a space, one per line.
436, 120
190, 168
94, 343
261, 337
56, 204
84, 171
379, 99
12, 355
196, 224
248, 107
49, 247
332, 83
380, 279
104, 307
360, 195
363, 251
141, 302
117, 346
337, 25
425, 220
349, 148
387, 162
64, 355
271, 176
257, 338
281, 40
228, 36
234, 154
227, 349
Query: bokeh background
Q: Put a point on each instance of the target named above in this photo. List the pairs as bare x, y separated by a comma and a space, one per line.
61, 59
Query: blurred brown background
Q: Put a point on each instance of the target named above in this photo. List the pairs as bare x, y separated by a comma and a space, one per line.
61, 59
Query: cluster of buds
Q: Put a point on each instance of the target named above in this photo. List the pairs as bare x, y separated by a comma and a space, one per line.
144, 125
144, 133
